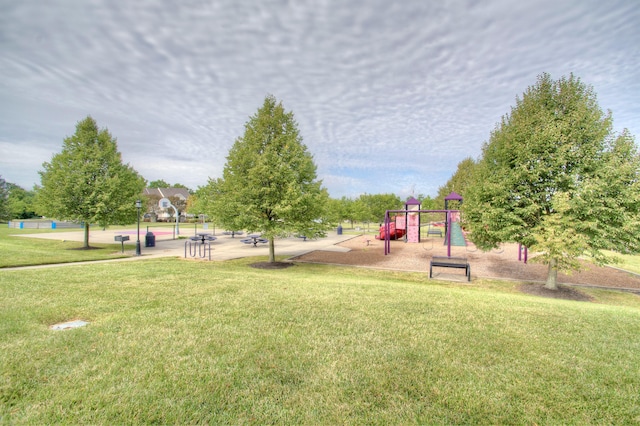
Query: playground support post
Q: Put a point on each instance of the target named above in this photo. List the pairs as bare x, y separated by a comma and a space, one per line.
448, 222
526, 253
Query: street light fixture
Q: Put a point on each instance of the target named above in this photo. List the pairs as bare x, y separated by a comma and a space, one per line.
138, 206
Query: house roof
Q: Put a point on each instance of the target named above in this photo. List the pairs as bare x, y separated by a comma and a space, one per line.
181, 193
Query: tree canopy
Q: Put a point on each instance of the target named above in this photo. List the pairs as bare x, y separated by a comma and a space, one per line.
4, 200
87, 181
269, 181
373, 207
459, 182
556, 178
20, 202
158, 184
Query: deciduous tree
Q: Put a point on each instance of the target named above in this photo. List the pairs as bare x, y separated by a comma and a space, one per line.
4, 200
269, 182
21, 202
556, 178
373, 207
458, 183
88, 182
158, 184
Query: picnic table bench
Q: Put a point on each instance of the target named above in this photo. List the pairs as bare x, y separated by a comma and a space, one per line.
450, 262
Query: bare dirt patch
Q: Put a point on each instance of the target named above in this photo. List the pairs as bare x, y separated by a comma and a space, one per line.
502, 263
271, 265
563, 292
85, 248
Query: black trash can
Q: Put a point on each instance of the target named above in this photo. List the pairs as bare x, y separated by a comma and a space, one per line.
339, 229
150, 240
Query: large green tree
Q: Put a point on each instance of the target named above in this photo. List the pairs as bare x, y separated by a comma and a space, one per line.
269, 182
458, 183
158, 184
88, 182
556, 178
373, 207
4, 200
21, 202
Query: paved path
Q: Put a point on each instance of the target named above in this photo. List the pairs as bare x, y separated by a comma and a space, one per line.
223, 248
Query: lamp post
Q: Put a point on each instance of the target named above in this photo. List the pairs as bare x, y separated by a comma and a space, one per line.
138, 205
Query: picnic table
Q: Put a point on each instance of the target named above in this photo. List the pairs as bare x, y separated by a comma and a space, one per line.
205, 236
199, 245
254, 239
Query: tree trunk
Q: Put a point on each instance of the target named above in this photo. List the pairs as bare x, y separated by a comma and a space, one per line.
552, 275
272, 250
86, 235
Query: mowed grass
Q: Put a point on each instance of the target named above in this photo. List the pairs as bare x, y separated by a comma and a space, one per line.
176, 341
629, 262
26, 251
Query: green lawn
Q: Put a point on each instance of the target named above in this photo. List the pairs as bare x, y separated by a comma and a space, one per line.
176, 341
24, 251
629, 262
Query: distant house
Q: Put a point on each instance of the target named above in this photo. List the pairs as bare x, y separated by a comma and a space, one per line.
177, 196
181, 193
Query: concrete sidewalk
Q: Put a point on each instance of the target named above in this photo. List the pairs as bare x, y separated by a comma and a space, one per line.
223, 248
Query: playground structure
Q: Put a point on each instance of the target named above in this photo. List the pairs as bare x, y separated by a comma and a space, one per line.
404, 226
395, 228
409, 222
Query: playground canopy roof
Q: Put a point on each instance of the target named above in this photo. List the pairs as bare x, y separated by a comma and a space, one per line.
453, 196
412, 202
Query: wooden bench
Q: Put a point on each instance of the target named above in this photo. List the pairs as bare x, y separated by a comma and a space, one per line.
450, 262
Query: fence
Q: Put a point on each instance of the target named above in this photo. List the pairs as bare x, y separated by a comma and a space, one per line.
169, 231
43, 224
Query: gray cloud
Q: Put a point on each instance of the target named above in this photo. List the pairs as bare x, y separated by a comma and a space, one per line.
389, 96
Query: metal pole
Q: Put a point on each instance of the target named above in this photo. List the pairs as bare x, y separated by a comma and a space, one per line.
449, 234
138, 205
387, 237
177, 220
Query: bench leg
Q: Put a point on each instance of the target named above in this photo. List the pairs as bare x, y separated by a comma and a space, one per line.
430, 271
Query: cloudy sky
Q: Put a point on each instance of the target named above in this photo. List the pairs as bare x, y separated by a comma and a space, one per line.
389, 95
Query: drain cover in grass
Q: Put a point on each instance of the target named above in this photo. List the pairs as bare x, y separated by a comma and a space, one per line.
69, 324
